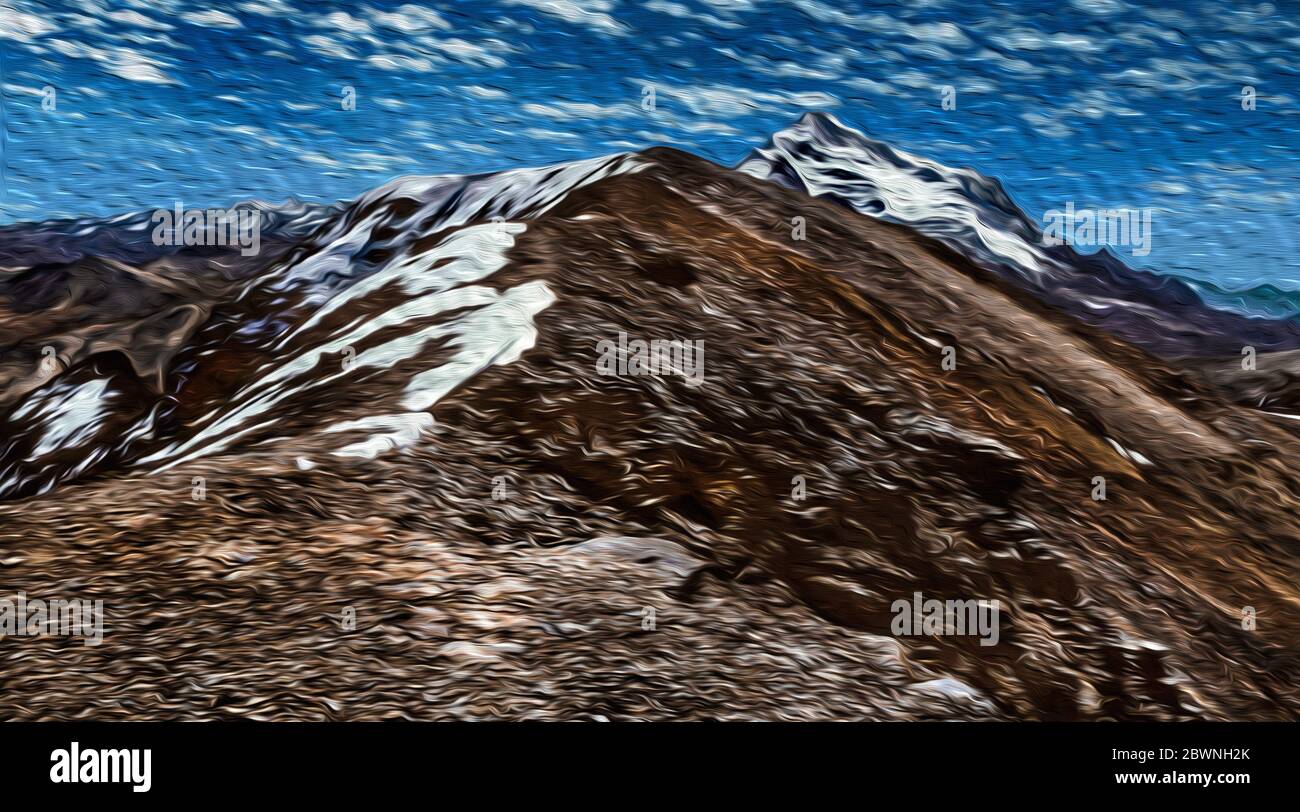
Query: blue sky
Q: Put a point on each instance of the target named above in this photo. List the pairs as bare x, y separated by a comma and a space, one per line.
1102, 102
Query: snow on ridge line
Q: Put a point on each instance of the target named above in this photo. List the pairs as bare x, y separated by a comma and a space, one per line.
508, 193
444, 201
474, 252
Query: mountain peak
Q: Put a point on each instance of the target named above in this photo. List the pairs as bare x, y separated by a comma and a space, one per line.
824, 128
972, 214
822, 157
820, 118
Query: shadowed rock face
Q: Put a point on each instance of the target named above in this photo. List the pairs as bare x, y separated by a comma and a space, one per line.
402, 416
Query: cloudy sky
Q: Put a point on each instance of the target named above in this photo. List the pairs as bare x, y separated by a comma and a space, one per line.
110, 107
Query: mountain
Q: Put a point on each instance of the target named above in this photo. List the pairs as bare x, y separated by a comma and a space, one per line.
102, 328
384, 470
973, 215
127, 238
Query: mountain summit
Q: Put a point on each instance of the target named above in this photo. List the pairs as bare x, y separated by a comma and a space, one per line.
973, 215
821, 157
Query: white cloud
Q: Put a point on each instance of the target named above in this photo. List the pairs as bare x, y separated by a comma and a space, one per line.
589, 13
1098, 7
587, 111
1168, 188
410, 19
1010, 63
22, 27
540, 134
212, 19
123, 62
1029, 39
872, 86
326, 46
346, 37
267, 8
481, 92
825, 68
570, 111
401, 62
318, 159
342, 21
684, 12
464, 51
943, 33
727, 101
137, 19
1046, 125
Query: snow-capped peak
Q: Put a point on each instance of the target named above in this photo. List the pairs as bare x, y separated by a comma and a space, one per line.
960, 207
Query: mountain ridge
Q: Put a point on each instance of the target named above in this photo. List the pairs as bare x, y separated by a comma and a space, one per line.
522, 537
974, 214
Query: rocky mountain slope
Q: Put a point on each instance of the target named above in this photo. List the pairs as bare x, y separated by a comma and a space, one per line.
380, 474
